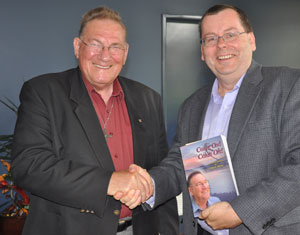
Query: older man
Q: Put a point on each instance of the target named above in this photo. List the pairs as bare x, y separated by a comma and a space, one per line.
77, 133
201, 198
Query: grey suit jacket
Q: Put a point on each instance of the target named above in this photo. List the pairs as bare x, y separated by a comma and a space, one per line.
264, 143
61, 157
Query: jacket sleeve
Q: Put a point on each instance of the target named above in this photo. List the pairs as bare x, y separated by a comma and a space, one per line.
268, 160
169, 175
41, 165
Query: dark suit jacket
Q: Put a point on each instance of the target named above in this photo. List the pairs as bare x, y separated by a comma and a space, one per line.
264, 144
61, 157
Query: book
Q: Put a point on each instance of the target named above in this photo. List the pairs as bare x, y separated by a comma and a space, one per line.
211, 158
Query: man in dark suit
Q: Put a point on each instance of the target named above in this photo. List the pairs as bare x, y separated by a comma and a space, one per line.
78, 132
258, 109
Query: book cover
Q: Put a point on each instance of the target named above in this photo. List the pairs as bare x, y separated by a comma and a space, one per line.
211, 158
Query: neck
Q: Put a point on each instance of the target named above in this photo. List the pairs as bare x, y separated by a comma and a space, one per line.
105, 93
225, 86
227, 82
202, 204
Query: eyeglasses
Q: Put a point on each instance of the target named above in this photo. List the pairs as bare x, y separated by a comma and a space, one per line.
201, 184
213, 40
98, 48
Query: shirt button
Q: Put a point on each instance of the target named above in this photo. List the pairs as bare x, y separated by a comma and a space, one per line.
116, 156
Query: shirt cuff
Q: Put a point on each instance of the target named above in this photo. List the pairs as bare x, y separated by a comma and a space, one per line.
151, 200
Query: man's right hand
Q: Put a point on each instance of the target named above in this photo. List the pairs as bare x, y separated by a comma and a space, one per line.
136, 186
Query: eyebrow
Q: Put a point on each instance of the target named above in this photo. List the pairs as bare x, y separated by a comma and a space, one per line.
225, 31
95, 41
99, 42
230, 29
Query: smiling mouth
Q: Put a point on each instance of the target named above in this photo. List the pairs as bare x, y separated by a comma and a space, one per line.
225, 57
103, 67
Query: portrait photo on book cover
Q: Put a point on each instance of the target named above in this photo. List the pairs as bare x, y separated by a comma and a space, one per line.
208, 170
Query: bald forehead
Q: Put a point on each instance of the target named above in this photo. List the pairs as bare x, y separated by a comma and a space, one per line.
101, 24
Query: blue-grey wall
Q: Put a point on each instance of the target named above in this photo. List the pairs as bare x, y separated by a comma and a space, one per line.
36, 37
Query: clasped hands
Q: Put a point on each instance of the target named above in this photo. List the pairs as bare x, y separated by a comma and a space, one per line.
132, 187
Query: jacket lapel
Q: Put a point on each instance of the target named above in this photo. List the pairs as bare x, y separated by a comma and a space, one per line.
244, 104
137, 121
84, 110
198, 114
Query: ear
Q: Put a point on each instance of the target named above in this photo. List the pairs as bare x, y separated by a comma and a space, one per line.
76, 46
252, 41
202, 54
190, 191
126, 53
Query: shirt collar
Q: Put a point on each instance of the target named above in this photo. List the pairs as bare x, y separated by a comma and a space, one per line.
197, 209
117, 89
214, 93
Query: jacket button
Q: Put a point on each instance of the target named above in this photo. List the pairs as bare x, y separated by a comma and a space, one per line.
117, 212
265, 226
194, 223
269, 223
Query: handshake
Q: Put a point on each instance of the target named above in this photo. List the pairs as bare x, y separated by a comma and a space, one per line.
132, 187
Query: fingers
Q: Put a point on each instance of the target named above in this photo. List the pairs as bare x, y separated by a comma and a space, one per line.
143, 186
220, 216
204, 214
144, 178
148, 179
132, 199
134, 168
144, 181
118, 195
132, 186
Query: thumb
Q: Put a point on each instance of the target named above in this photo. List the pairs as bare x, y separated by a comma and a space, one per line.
204, 214
118, 195
133, 168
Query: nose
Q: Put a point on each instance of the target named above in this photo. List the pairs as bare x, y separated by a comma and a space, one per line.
104, 55
221, 42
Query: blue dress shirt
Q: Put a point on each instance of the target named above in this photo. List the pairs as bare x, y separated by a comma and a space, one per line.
219, 111
216, 123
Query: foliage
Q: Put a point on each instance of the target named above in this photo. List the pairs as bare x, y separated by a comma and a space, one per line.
17, 203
